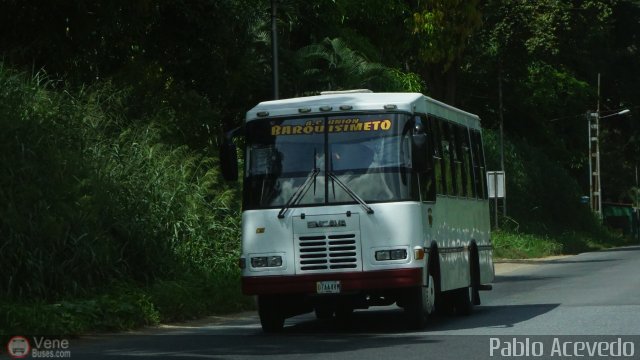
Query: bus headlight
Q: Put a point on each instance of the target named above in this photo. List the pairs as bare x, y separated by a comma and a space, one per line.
266, 261
393, 254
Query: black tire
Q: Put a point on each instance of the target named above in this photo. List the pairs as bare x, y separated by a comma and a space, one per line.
420, 304
414, 311
324, 312
271, 317
467, 297
463, 304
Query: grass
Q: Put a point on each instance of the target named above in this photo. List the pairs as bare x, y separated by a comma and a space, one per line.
124, 306
515, 245
508, 245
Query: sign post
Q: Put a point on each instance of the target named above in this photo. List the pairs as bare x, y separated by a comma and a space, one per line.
497, 189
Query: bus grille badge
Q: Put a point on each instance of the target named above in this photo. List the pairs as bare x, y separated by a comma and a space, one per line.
326, 223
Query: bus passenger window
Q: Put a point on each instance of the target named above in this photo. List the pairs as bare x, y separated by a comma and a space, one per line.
447, 158
438, 164
483, 168
426, 180
467, 164
457, 160
478, 164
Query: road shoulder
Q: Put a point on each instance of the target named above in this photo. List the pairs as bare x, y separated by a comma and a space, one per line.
505, 266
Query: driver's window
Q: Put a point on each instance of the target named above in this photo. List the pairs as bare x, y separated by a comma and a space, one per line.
354, 156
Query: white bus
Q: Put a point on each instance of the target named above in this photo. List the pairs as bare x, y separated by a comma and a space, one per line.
354, 199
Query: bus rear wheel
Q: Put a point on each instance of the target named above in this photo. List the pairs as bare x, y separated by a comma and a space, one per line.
467, 297
271, 316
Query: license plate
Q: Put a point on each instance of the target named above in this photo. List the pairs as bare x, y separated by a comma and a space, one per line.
328, 287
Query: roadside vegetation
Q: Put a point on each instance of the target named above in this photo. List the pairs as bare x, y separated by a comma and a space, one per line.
104, 226
519, 245
544, 214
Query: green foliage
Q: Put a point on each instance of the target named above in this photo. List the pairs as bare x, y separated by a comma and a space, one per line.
194, 295
89, 198
402, 81
160, 50
333, 65
513, 245
122, 307
444, 27
509, 244
542, 196
125, 305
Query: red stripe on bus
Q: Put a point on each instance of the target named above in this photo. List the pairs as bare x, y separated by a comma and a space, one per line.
350, 282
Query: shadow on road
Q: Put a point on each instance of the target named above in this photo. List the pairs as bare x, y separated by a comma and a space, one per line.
521, 278
371, 329
392, 321
560, 261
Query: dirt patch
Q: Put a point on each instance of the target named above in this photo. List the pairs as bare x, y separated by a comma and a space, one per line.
503, 266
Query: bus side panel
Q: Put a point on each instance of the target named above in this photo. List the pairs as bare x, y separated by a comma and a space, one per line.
456, 222
485, 246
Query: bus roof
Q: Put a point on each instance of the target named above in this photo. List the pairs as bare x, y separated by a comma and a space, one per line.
360, 100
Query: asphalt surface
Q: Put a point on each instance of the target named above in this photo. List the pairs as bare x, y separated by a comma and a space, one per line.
537, 306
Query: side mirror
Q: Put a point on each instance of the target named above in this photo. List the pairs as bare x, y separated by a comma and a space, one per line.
229, 158
419, 154
419, 135
419, 141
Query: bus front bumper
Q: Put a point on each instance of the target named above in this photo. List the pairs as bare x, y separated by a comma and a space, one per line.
349, 282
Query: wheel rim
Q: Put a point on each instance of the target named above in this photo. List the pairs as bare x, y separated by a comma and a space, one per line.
429, 296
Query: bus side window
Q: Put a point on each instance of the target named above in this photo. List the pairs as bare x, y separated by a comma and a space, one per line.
438, 163
460, 174
447, 158
483, 167
467, 164
478, 164
426, 180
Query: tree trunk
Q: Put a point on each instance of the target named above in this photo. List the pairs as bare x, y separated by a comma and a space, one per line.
441, 85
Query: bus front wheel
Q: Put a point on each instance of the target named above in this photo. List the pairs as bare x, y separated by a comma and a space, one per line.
271, 316
420, 304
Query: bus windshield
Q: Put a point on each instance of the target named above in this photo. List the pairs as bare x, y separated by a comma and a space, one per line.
369, 153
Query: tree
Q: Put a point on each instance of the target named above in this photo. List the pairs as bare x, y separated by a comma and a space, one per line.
543, 54
443, 29
332, 65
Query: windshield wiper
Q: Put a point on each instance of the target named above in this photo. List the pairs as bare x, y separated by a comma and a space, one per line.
299, 194
353, 195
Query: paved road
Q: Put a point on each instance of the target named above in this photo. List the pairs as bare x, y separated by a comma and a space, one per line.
588, 298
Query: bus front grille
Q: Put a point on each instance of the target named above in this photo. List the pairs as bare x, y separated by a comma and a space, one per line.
328, 252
